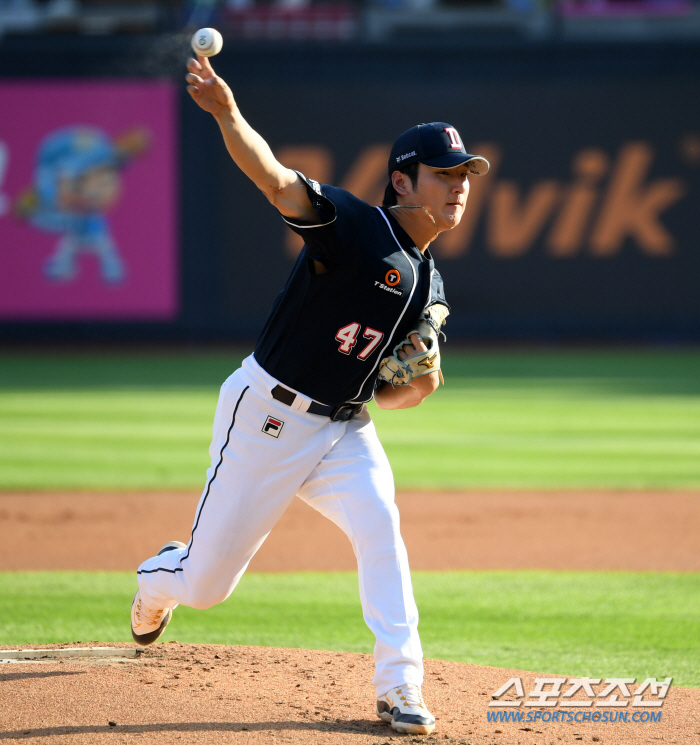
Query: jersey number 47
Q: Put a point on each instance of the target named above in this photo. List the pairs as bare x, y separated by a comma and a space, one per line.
348, 336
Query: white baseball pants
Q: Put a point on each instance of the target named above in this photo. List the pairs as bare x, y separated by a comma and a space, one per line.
338, 468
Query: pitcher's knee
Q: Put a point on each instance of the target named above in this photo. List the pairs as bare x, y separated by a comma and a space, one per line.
381, 528
203, 595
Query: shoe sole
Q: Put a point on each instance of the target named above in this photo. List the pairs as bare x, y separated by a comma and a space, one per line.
406, 729
145, 639
412, 729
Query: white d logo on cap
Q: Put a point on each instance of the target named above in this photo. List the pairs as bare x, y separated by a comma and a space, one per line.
455, 141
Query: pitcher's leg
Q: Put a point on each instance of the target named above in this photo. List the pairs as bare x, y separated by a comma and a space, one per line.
353, 486
252, 479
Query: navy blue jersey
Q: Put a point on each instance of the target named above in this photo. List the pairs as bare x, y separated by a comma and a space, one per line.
327, 333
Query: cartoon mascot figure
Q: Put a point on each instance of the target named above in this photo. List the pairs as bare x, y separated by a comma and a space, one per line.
76, 182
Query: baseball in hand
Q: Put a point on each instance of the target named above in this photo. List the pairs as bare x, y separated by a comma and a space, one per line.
207, 42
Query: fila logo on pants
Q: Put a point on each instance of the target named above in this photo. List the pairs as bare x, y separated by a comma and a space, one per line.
272, 426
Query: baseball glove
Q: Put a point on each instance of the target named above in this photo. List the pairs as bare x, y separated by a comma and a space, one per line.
401, 372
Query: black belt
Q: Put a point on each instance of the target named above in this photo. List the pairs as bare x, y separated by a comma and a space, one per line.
341, 413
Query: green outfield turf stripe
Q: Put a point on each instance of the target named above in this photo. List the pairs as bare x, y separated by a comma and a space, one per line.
515, 420
601, 624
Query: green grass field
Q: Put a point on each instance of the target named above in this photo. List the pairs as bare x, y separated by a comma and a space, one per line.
620, 624
541, 420
505, 419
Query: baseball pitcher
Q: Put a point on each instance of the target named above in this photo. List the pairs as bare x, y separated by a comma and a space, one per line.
366, 304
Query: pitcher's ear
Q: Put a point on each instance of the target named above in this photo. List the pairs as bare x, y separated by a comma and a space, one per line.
400, 182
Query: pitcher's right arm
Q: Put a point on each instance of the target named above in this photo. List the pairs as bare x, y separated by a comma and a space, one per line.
282, 186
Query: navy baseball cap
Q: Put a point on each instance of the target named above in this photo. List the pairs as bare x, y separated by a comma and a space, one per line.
437, 145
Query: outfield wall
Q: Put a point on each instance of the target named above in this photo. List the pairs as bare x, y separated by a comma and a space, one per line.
586, 227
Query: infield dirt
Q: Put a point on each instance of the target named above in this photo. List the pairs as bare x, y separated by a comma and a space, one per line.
584, 530
216, 694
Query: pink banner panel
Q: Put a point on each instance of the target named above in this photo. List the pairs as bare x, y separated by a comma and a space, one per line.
88, 190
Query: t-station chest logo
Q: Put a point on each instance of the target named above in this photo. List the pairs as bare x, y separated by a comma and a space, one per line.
393, 277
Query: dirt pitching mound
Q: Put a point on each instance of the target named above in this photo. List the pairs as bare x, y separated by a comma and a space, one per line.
219, 694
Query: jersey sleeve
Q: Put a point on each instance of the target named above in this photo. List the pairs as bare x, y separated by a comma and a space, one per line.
437, 291
326, 238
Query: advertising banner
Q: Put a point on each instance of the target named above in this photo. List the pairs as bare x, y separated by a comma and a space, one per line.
88, 190
586, 226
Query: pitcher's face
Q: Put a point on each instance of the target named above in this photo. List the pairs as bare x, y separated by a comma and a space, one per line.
443, 192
